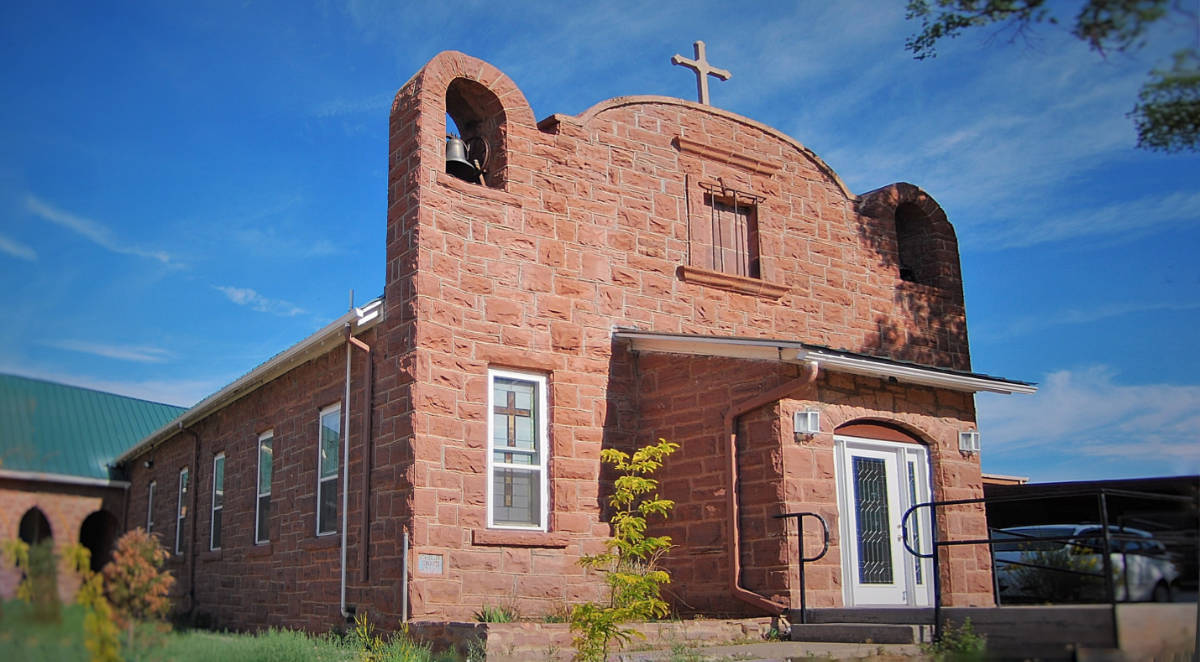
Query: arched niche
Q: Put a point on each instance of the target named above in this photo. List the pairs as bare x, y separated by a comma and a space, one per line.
926, 249
915, 245
99, 533
34, 527
480, 118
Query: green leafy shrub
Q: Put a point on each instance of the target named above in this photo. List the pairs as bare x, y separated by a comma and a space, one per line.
631, 562
1055, 577
399, 647
561, 614
41, 576
16, 554
498, 614
101, 635
958, 644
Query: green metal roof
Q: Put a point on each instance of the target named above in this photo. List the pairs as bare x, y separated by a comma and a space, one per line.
53, 428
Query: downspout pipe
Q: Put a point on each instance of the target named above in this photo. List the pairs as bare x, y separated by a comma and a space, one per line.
351, 343
345, 473
368, 437
193, 479
732, 475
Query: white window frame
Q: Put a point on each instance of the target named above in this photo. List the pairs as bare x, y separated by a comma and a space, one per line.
181, 510
213, 531
260, 536
332, 481
150, 506
542, 433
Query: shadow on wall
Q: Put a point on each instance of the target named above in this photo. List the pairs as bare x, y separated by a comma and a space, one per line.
913, 240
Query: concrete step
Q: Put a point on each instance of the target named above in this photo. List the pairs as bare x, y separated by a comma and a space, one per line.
882, 615
775, 651
860, 633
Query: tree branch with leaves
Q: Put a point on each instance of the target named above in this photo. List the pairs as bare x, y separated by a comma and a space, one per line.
1167, 114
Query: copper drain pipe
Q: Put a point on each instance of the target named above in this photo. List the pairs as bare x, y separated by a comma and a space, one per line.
735, 539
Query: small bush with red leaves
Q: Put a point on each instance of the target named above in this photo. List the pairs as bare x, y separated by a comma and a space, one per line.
136, 584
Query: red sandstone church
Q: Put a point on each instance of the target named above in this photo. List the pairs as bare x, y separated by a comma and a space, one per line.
650, 268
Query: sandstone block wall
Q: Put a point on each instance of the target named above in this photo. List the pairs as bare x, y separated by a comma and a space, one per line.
582, 224
592, 223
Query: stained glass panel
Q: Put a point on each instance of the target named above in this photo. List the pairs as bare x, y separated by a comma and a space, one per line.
874, 523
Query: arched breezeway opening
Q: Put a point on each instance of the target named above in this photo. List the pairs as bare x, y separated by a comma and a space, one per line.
99, 534
35, 527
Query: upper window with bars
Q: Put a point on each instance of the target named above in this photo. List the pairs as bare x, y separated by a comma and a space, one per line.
724, 235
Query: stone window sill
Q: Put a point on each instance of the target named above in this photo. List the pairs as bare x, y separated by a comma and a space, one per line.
477, 190
259, 549
210, 555
511, 538
731, 282
323, 541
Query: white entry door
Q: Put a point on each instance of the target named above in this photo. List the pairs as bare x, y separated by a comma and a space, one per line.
877, 482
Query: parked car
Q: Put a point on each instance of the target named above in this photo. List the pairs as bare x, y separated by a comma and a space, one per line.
1070, 567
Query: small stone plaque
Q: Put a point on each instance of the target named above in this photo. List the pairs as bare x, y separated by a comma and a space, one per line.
429, 564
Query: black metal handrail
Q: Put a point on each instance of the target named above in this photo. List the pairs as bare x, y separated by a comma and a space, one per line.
1107, 536
803, 559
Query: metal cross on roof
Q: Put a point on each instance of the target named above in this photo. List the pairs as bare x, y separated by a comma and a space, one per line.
703, 70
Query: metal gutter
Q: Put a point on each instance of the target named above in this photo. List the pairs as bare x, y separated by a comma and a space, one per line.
324, 340
62, 478
791, 351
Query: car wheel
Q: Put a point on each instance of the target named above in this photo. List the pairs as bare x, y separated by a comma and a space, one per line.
1162, 592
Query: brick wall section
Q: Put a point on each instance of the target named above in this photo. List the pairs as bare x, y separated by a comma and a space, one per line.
65, 508
293, 580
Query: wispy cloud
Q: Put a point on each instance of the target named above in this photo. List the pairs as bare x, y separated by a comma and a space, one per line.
17, 249
1130, 218
244, 296
342, 107
271, 240
1090, 414
1022, 326
138, 353
89, 229
180, 392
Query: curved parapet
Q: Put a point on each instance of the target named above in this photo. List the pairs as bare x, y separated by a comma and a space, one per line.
593, 113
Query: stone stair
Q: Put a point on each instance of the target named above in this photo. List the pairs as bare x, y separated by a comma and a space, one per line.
1021, 633
864, 626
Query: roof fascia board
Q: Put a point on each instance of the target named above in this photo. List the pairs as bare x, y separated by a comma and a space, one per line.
916, 375
62, 478
798, 352
322, 341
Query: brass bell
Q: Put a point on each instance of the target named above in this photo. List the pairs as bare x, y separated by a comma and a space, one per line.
457, 162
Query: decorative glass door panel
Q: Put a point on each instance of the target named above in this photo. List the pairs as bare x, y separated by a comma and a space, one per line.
873, 520
877, 482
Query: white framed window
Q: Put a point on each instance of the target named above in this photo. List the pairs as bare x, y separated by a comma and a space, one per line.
262, 506
218, 501
518, 446
181, 510
150, 506
327, 469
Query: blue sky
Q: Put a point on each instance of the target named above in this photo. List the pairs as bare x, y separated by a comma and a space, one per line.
187, 189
